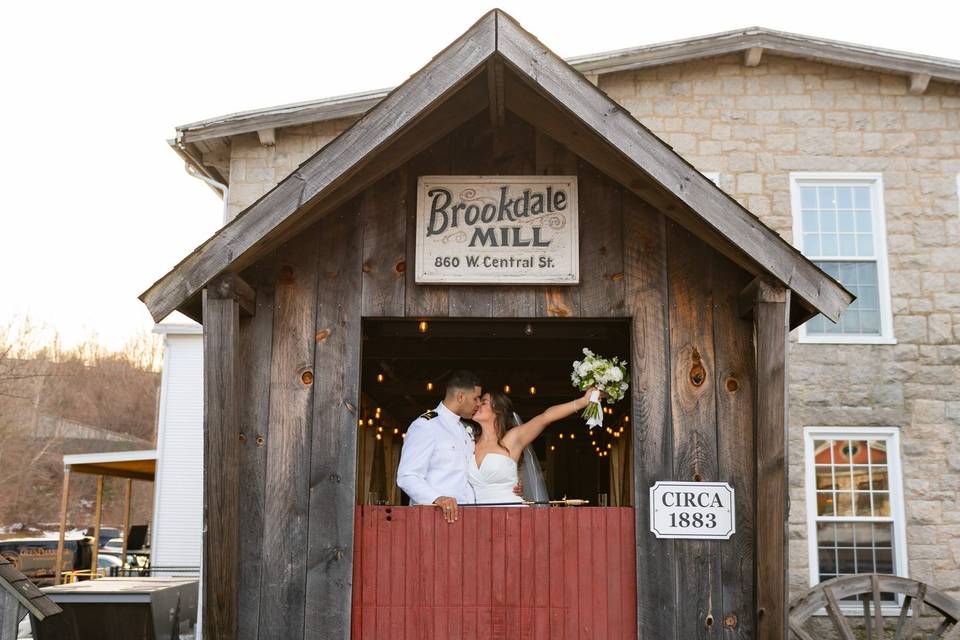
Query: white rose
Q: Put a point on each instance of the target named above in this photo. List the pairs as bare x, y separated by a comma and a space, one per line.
616, 374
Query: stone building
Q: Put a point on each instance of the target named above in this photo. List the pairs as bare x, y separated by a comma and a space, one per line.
853, 153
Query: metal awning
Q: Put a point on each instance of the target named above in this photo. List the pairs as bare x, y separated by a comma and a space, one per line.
137, 465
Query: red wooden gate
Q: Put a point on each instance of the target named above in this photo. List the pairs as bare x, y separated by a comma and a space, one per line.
496, 573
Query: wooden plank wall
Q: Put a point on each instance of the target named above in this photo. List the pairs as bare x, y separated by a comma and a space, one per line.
495, 573
693, 385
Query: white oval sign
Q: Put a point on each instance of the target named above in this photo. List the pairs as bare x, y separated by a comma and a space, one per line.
695, 510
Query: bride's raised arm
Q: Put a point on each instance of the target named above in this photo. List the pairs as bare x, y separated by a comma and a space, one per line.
520, 436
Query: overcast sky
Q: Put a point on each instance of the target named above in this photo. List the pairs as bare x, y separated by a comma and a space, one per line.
96, 206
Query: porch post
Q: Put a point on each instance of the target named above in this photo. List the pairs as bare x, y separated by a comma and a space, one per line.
222, 302
96, 528
769, 302
63, 524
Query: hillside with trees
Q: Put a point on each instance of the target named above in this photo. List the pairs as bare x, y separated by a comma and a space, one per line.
56, 401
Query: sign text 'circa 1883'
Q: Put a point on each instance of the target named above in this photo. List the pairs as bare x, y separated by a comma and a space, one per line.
696, 510
497, 229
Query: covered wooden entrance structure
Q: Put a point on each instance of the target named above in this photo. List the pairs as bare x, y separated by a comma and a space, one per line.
709, 291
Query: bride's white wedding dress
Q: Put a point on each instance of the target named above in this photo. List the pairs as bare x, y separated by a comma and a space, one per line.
493, 481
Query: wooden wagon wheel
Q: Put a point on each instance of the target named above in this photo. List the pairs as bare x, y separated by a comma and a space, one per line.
919, 600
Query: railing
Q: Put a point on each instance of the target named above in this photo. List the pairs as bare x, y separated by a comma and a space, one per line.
496, 573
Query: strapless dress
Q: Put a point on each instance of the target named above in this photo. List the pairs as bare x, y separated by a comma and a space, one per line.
493, 481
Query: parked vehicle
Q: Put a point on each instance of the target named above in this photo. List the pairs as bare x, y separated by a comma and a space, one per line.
36, 557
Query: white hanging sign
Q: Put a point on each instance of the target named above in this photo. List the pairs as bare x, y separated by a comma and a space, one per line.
497, 230
695, 510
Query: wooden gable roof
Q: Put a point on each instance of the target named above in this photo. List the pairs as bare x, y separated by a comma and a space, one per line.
497, 65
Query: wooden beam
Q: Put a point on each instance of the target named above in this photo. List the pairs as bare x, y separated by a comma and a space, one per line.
230, 286
63, 525
919, 83
558, 82
221, 457
760, 289
593, 78
752, 56
495, 92
771, 318
127, 494
96, 526
268, 137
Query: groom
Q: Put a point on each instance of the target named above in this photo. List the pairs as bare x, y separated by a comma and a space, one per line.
436, 452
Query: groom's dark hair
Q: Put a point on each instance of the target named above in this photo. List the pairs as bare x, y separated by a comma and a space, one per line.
462, 380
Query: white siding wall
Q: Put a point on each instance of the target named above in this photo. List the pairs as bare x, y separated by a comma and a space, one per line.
178, 499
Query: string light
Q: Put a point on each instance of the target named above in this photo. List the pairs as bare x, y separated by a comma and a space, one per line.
379, 377
422, 327
616, 434
552, 448
561, 436
396, 431
593, 443
429, 386
506, 388
370, 422
621, 428
360, 423
379, 437
626, 418
404, 435
573, 436
379, 429
609, 446
609, 430
533, 391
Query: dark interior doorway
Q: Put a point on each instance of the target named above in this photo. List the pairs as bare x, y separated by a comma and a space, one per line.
405, 363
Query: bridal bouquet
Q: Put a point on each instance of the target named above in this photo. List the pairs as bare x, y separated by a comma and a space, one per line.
606, 375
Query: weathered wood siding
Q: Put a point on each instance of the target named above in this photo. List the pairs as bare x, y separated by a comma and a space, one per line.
693, 384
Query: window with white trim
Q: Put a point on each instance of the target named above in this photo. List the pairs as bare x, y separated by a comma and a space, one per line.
855, 518
838, 223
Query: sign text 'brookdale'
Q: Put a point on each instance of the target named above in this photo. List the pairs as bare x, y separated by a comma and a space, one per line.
444, 214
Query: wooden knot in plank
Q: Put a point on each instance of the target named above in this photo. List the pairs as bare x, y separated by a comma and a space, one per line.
286, 274
698, 374
709, 620
260, 440
366, 268
322, 335
401, 266
730, 621
243, 438
731, 384
617, 277
307, 377
350, 407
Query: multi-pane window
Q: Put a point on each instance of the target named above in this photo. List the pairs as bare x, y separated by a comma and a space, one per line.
854, 502
838, 223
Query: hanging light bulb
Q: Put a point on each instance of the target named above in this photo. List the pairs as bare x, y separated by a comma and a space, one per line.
561, 436
422, 327
609, 446
506, 388
593, 443
360, 423
379, 429
370, 422
609, 430
404, 435
616, 434
533, 391
379, 437
552, 448
396, 431
379, 377
626, 418
429, 386
573, 436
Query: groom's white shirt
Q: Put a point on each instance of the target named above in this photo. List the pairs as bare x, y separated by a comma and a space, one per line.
435, 458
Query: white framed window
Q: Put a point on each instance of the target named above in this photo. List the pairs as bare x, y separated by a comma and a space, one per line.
839, 223
854, 495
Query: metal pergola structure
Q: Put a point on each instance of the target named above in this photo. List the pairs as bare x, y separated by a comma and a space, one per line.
132, 465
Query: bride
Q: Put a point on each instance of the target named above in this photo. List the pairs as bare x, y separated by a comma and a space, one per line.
493, 466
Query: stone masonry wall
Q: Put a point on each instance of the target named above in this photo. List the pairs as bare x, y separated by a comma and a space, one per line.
754, 126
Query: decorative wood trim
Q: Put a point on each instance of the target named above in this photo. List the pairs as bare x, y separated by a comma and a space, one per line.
771, 321
230, 286
919, 83
495, 91
221, 458
268, 137
752, 56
